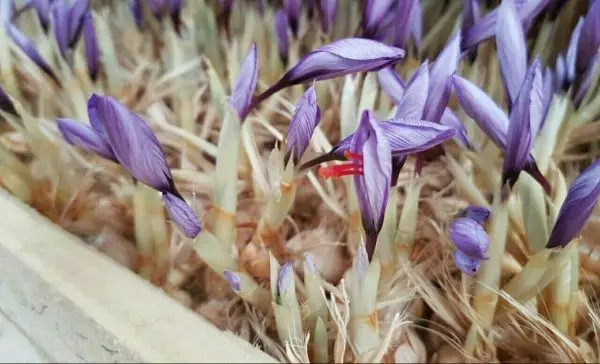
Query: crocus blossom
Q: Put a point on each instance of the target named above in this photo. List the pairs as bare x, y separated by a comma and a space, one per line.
492, 121
281, 28
120, 135
305, 119
233, 279
159, 9
284, 278
485, 28
525, 121
577, 208
327, 9
470, 238
241, 95
373, 15
340, 58
407, 17
92, 50
292, 9
370, 163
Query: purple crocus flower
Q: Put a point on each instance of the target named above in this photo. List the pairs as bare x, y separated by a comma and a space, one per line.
405, 21
391, 84
470, 238
450, 120
285, 277
292, 8
469, 266
494, 122
477, 213
577, 207
28, 47
470, 15
374, 12
233, 279
159, 9
241, 95
512, 49
328, 9
42, 8
525, 122
92, 51
342, 57
305, 119
371, 165
281, 27
120, 135
485, 28
67, 22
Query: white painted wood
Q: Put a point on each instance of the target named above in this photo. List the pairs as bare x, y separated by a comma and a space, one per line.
79, 306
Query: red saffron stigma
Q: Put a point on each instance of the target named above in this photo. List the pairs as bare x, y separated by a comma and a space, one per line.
353, 167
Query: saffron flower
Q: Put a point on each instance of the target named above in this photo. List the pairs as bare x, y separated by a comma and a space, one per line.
370, 163
340, 58
495, 124
120, 135
281, 27
577, 208
327, 10
159, 9
485, 28
241, 95
305, 119
373, 14
470, 239
292, 9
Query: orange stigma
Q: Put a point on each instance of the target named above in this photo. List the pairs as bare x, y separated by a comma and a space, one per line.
353, 167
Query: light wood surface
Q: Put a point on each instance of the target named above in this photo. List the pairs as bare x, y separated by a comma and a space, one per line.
77, 305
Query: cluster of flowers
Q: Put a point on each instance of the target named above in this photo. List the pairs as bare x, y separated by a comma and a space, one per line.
377, 150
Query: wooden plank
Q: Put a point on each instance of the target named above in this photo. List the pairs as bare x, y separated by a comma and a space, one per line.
79, 306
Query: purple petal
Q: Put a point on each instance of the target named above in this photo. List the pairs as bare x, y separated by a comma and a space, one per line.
405, 136
76, 14
305, 119
60, 25
417, 23
483, 110
470, 238
525, 120
468, 266
136, 10
241, 95
405, 14
85, 137
285, 278
589, 39
28, 47
561, 73
577, 207
547, 93
92, 51
411, 105
182, 215
233, 279
292, 9
328, 9
572, 51
440, 82
133, 142
281, 32
373, 13
450, 120
477, 213
484, 29
584, 81
372, 186
391, 84
471, 14
342, 57
512, 50
6, 103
